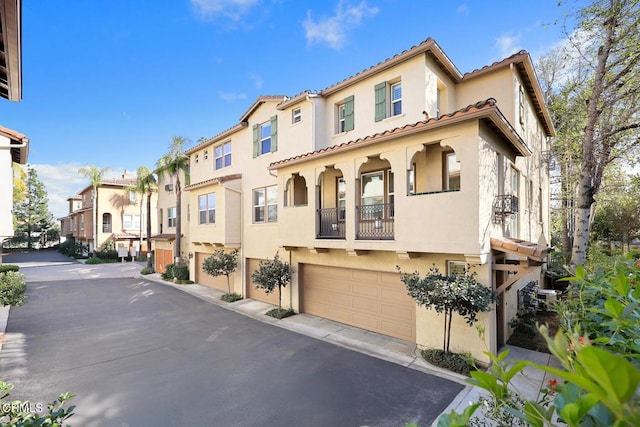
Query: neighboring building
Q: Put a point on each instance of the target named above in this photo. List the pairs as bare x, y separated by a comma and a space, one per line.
67, 225
120, 211
167, 219
407, 163
14, 147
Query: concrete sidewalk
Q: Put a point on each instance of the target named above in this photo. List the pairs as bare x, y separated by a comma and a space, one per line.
527, 384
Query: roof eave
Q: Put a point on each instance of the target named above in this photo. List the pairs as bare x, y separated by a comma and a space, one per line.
11, 14
429, 45
489, 112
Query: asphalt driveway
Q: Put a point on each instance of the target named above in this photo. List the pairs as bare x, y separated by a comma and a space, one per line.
138, 353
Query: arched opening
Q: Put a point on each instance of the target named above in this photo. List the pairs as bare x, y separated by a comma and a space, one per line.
332, 198
433, 169
375, 209
106, 223
296, 191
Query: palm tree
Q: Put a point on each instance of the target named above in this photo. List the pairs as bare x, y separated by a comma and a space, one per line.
95, 175
146, 184
174, 163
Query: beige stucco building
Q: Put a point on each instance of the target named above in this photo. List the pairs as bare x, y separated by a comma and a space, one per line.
121, 213
408, 163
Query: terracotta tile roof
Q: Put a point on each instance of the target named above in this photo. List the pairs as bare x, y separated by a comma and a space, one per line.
261, 100
124, 235
485, 108
520, 247
224, 134
217, 180
13, 135
18, 154
523, 64
428, 45
122, 182
288, 102
163, 236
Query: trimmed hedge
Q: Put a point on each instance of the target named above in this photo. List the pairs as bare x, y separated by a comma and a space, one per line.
8, 267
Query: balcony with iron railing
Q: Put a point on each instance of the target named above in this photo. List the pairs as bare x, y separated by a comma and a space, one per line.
331, 223
375, 222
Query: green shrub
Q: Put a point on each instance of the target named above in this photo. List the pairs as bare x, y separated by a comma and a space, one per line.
452, 361
168, 272
280, 313
107, 254
232, 297
147, 270
94, 260
17, 413
12, 288
8, 267
181, 272
525, 321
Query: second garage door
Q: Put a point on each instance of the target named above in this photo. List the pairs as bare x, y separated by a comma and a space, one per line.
203, 278
372, 300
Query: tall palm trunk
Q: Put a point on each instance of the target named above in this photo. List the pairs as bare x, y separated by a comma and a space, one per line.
178, 247
94, 204
149, 193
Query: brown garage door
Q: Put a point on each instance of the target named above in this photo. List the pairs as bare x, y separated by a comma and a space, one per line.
372, 300
162, 258
203, 278
256, 293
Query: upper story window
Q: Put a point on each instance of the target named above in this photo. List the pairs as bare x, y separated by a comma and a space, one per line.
131, 222
223, 155
206, 154
265, 137
388, 99
377, 195
106, 222
171, 217
521, 105
207, 208
265, 204
296, 115
132, 195
344, 115
451, 171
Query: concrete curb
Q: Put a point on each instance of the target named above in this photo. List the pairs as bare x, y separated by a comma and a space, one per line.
4, 318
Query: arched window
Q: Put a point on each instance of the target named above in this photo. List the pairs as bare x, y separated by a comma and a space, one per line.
106, 223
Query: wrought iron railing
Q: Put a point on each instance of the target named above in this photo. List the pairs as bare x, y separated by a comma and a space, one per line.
331, 223
375, 222
504, 205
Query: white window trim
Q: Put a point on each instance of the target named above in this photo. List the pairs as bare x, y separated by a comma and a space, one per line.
264, 206
171, 219
394, 101
296, 116
261, 139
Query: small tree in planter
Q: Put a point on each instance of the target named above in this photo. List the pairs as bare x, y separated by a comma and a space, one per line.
223, 263
271, 274
461, 294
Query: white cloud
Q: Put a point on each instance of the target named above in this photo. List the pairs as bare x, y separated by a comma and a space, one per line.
463, 9
62, 180
232, 9
508, 44
231, 97
333, 30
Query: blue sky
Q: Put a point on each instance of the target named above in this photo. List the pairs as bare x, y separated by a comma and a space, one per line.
109, 82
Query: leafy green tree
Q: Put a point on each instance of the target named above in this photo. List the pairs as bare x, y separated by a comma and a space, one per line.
607, 41
176, 163
146, 185
32, 212
272, 274
95, 174
461, 294
221, 263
